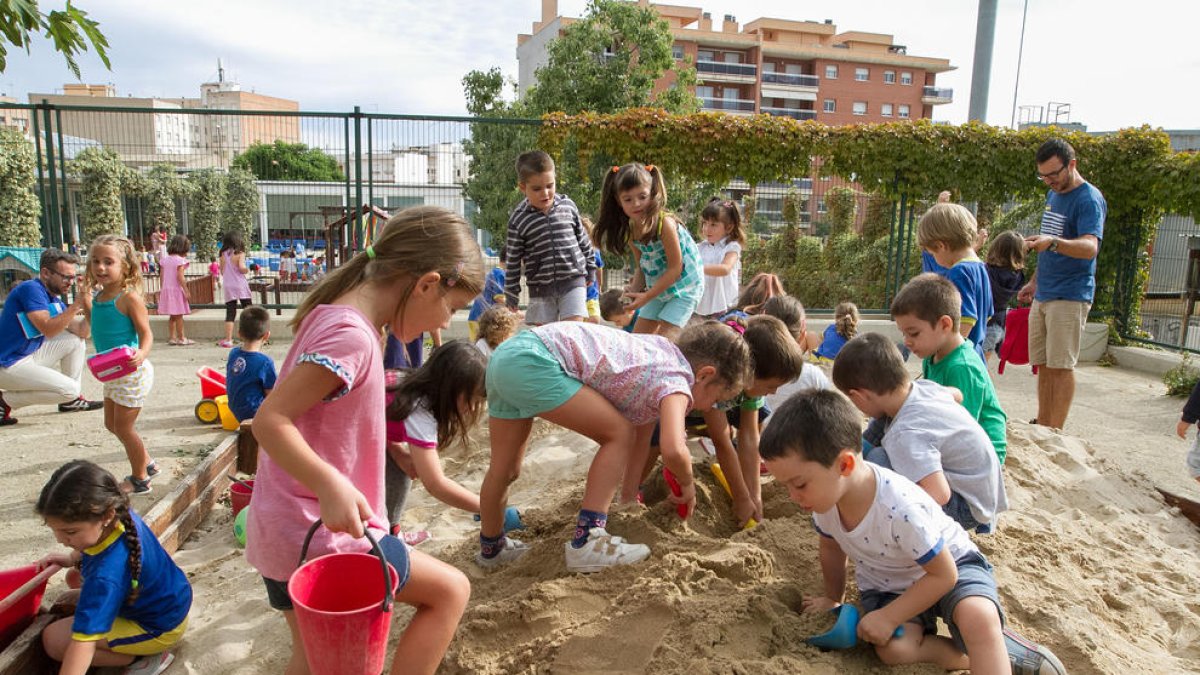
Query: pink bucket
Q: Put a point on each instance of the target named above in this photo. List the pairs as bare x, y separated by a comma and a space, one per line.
342, 616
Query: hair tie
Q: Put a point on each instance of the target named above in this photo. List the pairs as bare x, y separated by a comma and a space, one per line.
649, 167
737, 327
454, 277
616, 169
371, 252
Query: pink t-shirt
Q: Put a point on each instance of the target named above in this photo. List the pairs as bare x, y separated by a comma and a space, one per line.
634, 372
346, 430
170, 263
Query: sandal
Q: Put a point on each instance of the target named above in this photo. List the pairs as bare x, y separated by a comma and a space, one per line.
185, 342
173, 342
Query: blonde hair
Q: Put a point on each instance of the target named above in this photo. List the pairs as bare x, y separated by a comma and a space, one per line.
497, 324
414, 242
950, 224
128, 255
845, 319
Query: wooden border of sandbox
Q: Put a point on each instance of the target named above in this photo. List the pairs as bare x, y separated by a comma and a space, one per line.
173, 518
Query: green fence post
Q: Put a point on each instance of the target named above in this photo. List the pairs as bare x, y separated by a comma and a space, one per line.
55, 226
370, 162
64, 209
43, 199
358, 180
347, 245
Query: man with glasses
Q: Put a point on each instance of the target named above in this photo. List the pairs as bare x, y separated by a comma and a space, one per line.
1065, 282
42, 344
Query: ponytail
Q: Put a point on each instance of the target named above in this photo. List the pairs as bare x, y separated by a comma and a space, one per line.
846, 320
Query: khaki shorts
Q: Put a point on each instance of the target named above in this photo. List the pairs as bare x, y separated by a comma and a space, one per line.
1055, 332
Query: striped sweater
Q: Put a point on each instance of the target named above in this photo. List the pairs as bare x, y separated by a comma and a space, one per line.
553, 247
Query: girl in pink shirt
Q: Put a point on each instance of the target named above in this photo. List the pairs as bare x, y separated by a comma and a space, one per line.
612, 387
322, 429
174, 299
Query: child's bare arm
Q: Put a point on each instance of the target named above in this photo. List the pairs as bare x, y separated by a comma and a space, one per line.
135, 308
673, 446
743, 500
935, 484
1182, 428
429, 468
940, 576
723, 268
748, 436
833, 573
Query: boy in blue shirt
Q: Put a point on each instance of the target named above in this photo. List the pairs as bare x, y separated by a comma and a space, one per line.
913, 564
493, 292
612, 310
249, 373
948, 233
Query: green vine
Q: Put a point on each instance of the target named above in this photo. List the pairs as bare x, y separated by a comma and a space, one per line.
18, 203
206, 194
104, 179
240, 205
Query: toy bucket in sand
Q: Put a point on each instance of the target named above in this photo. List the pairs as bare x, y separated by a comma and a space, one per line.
343, 605
240, 493
21, 591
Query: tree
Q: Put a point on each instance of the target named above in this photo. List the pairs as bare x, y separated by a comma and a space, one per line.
206, 194
19, 226
843, 207
288, 161
606, 62
161, 188
105, 177
240, 204
69, 29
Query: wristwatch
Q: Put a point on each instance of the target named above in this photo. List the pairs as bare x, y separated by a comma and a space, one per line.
1053, 247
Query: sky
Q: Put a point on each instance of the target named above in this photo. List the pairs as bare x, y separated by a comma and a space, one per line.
1117, 64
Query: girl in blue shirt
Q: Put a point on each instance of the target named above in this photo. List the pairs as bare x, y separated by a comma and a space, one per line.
133, 599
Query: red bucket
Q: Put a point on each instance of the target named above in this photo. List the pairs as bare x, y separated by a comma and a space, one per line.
342, 616
18, 617
239, 495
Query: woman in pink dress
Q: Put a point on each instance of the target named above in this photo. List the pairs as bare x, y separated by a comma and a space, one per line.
174, 299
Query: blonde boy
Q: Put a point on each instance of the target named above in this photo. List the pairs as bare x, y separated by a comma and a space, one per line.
948, 232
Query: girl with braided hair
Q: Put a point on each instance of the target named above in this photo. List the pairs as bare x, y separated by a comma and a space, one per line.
134, 600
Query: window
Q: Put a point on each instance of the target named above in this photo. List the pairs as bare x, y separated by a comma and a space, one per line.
677, 52
860, 107
862, 74
830, 105
903, 114
821, 206
889, 77
705, 55
905, 78
831, 72
886, 110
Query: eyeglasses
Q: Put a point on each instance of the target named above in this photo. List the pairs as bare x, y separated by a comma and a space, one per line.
1052, 174
64, 277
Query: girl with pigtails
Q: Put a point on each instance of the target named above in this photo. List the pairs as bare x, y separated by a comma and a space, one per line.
669, 280
133, 599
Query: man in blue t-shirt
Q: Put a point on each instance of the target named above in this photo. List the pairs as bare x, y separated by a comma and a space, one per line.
249, 373
1064, 284
42, 345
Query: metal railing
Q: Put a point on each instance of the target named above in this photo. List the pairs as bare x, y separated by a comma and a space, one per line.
722, 68
791, 79
937, 92
726, 104
794, 113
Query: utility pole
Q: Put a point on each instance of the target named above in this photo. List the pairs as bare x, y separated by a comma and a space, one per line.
981, 70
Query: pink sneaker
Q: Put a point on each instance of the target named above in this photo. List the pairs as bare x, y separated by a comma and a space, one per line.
225, 343
414, 538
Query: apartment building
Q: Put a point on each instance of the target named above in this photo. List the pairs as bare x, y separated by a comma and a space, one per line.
14, 118
805, 70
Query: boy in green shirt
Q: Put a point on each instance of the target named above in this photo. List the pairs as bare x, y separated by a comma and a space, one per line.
927, 312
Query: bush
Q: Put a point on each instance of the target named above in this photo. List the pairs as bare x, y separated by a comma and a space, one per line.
1181, 379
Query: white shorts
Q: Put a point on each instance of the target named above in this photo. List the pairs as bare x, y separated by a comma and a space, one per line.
131, 391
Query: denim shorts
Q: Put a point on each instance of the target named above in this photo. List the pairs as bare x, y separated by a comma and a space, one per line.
675, 311
524, 379
974, 580
1193, 458
393, 549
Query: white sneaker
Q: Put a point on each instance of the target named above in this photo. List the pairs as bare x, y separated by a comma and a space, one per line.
150, 665
603, 550
513, 549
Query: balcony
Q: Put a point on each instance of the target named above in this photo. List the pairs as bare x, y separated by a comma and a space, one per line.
737, 106
791, 80
936, 95
718, 71
794, 113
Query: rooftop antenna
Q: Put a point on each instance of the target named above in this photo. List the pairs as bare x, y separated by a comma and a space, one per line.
220, 71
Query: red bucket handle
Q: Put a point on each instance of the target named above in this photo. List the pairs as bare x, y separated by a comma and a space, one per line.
387, 575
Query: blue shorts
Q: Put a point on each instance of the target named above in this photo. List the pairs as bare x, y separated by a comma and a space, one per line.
974, 580
1193, 458
992, 337
675, 311
524, 379
393, 549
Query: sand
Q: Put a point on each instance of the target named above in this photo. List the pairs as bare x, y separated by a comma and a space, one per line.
1089, 560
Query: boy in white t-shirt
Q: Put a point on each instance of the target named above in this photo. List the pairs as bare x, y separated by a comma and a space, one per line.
912, 563
927, 436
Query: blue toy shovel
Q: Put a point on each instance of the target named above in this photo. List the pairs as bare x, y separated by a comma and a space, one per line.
844, 633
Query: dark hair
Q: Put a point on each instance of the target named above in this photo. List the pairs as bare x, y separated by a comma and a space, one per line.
497, 324
928, 297
815, 425
1007, 250
232, 241
254, 323
52, 256
725, 211
775, 352
180, 245
761, 288
1055, 147
845, 319
715, 344
415, 241
789, 310
532, 163
869, 362
612, 225
610, 303
80, 491
454, 369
